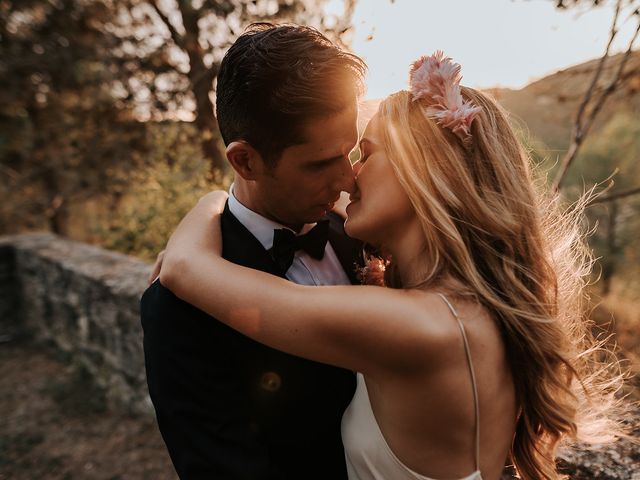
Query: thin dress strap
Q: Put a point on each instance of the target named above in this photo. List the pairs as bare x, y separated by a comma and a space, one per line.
473, 379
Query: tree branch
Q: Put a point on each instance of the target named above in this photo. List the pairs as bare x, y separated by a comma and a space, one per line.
597, 75
175, 36
206, 75
615, 196
614, 83
577, 134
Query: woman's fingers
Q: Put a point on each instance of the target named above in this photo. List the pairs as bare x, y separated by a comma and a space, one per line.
216, 200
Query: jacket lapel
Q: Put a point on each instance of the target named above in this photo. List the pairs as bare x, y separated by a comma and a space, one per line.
241, 247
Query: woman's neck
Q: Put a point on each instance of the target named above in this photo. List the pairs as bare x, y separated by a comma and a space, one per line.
406, 251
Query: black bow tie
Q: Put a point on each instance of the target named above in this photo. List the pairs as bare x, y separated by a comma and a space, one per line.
286, 243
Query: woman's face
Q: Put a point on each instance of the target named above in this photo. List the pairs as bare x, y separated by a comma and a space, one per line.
380, 209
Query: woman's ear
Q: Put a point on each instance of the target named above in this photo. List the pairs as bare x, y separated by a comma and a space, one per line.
245, 159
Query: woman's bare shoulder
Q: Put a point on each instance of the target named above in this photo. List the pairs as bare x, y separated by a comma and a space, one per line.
429, 327
431, 315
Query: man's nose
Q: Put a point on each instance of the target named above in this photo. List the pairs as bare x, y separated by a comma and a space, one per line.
347, 177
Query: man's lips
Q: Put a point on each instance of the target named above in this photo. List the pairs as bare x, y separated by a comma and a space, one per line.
330, 205
327, 206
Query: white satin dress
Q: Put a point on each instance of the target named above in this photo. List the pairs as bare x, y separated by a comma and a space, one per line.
368, 455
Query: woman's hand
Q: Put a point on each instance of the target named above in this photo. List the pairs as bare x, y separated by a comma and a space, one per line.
198, 233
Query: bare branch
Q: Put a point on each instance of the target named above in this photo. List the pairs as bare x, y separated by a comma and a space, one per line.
577, 133
206, 75
615, 196
175, 35
614, 83
190, 17
581, 129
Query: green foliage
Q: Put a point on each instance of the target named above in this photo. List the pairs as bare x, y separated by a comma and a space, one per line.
81, 79
64, 139
613, 153
159, 195
614, 150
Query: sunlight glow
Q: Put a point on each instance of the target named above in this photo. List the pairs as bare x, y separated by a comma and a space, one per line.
504, 43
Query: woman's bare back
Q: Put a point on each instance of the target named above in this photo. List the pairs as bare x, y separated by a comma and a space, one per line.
427, 416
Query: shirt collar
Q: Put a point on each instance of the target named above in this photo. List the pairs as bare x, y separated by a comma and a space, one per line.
260, 227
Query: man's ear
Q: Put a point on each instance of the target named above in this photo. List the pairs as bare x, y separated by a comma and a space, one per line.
245, 159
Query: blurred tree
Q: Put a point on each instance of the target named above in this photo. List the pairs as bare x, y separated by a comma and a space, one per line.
81, 80
614, 149
63, 139
172, 49
617, 147
160, 195
601, 86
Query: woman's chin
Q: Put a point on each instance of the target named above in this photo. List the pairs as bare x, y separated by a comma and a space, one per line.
352, 230
349, 228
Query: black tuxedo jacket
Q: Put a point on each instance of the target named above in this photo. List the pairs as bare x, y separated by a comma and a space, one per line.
231, 408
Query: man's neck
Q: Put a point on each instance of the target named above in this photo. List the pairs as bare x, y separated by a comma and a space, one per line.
244, 194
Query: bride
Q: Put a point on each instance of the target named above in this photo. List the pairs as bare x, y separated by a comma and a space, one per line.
476, 353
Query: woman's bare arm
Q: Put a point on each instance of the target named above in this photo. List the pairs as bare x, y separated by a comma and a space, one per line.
362, 328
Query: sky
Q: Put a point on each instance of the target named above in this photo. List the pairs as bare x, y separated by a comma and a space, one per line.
506, 43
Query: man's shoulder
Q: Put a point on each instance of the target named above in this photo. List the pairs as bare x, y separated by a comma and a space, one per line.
159, 301
157, 291
169, 322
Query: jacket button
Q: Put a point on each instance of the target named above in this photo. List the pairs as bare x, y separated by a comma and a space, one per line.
270, 381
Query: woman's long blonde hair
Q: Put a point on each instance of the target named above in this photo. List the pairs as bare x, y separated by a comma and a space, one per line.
490, 236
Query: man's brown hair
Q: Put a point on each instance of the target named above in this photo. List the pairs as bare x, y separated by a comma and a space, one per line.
276, 78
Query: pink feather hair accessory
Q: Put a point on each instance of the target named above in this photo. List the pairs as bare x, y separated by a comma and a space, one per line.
435, 81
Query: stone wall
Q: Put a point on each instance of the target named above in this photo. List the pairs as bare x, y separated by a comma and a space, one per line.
85, 302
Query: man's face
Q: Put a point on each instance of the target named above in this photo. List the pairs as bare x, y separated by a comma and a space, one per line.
309, 177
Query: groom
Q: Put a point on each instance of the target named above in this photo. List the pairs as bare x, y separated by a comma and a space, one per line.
228, 407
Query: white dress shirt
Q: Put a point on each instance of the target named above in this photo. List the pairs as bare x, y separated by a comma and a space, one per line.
305, 270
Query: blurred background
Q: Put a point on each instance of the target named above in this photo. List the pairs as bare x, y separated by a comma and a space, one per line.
108, 136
